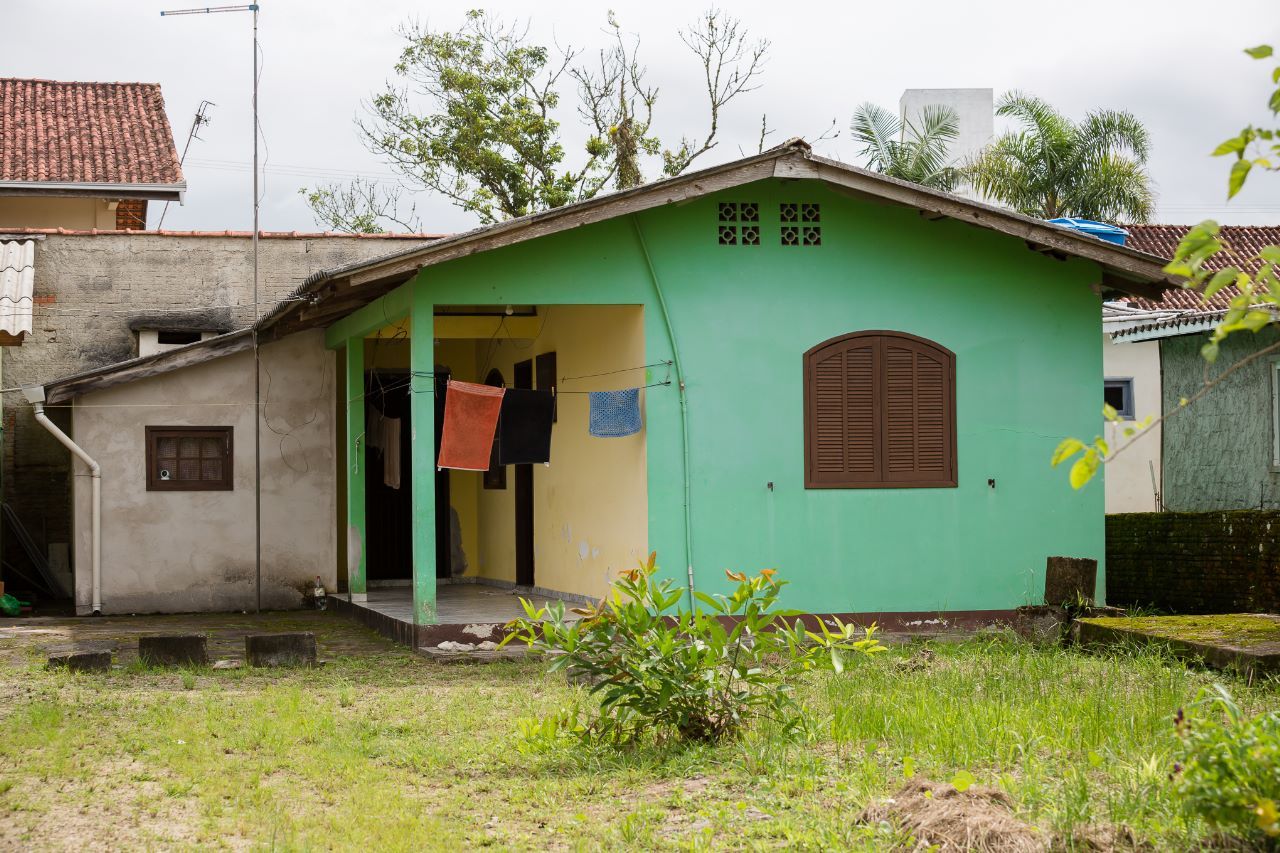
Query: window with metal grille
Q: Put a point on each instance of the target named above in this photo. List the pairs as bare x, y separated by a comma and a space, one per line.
189, 459
879, 413
739, 223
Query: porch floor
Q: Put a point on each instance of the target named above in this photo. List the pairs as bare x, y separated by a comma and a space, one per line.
456, 603
467, 614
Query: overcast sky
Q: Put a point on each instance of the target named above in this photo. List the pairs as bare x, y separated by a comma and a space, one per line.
1180, 69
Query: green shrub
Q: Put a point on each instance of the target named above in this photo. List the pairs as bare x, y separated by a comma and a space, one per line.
670, 672
1229, 772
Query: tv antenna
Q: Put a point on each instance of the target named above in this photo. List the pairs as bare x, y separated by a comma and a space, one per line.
257, 361
198, 122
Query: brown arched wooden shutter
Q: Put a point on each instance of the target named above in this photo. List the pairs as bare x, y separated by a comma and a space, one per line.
879, 412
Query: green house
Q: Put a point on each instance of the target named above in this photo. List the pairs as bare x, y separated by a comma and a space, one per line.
847, 378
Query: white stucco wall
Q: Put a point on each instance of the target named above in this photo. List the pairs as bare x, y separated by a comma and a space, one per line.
1128, 476
974, 109
194, 551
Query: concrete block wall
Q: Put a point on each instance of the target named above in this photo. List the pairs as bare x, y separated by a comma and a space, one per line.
89, 288
1195, 562
1217, 454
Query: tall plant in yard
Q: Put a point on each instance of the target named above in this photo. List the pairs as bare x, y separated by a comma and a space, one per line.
672, 673
1054, 166
1255, 277
912, 151
1229, 772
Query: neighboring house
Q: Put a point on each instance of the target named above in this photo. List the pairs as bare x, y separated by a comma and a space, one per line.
1224, 452
817, 399
84, 155
102, 297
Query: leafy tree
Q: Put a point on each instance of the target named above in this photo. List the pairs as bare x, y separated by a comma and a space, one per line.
1255, 277
472, 117
919, 153
1056, 167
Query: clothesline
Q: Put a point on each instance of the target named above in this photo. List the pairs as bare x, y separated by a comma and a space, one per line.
650, 385
621, 370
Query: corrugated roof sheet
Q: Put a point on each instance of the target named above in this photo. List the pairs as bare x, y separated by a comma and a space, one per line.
17, 280
112, 133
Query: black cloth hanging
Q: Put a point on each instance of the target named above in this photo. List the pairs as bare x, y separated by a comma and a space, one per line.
524, 427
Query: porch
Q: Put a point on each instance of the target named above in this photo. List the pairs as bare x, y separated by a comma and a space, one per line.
432, 555
467, 613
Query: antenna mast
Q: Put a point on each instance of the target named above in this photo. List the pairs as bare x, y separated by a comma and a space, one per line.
257, 360
198, 122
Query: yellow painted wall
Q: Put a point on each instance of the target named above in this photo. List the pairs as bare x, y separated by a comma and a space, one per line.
591, 503
55, 212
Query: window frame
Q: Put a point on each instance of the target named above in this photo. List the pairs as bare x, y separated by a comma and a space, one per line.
810, 402
155, 484
1128, 411
1274, 365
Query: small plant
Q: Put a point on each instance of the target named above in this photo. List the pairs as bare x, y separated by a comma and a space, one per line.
691, 675
188, 680
1229, 772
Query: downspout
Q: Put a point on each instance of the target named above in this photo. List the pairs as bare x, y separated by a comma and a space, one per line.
35, 395
684, 406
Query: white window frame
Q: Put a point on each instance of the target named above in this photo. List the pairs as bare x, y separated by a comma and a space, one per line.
1275, 414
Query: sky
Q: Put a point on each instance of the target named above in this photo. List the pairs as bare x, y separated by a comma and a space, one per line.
1177, 67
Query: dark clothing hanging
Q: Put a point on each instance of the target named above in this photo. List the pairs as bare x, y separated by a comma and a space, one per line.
524, 429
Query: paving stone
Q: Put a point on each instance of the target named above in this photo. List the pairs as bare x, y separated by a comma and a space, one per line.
297, 649
174, 650
81, 661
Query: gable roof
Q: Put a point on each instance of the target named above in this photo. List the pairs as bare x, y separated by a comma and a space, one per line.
71, 138
1162, 240
327, 295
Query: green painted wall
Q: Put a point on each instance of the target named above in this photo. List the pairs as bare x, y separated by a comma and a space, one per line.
1024, 328
1217, 454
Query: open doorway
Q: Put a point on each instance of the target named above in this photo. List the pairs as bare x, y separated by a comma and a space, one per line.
388, 479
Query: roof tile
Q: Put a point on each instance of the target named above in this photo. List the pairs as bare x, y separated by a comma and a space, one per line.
110, 133
1162, 240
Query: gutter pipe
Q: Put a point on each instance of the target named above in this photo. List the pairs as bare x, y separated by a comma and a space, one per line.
684, 408
35, 395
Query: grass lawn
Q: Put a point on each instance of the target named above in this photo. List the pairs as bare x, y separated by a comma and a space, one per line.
384, 750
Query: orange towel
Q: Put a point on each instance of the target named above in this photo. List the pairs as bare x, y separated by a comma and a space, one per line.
470, 420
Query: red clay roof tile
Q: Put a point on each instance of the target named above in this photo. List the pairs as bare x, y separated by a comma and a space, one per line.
111, 133
1162, 240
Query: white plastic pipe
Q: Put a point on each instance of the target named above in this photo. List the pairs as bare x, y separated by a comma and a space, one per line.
95, 472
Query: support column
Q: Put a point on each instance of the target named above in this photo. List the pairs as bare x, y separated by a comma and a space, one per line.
355, 470
423, 420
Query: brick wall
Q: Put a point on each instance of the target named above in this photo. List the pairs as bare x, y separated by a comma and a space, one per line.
1217, 453
89, 289
131, 214
1195, 562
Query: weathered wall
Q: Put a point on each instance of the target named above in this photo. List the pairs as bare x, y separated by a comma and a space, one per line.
1129, 475
1217, 453
194, 551
88, 288
745, 315
1195, 562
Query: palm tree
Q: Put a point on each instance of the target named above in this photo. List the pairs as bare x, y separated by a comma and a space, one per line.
901, 149
1055, 167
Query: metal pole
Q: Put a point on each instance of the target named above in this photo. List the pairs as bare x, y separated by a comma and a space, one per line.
257, 367
257, 363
